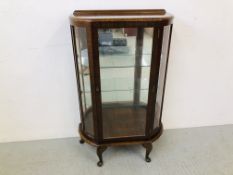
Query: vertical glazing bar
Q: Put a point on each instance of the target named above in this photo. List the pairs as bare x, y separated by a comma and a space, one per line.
165, 78
77, 73
92, 44
154, 76
138, 62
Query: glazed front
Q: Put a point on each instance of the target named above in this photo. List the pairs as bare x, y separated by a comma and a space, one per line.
124, 73
121, 72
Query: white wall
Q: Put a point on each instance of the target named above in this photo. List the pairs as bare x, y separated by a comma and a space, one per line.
38, 98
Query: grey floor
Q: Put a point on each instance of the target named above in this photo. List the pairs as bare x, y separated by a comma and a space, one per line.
196, 151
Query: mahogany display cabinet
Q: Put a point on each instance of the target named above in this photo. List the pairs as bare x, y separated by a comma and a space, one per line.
121, 59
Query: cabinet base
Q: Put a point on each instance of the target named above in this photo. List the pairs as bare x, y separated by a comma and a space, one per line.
101, 147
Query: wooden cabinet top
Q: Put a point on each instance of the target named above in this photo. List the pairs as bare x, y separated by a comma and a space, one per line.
82, 17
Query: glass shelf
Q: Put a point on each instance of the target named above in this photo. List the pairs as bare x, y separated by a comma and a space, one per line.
120, 80
120, 96
117, 90
118, 60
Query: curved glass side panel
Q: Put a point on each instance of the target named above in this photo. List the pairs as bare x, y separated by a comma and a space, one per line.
162, 74
125, 61
84, 78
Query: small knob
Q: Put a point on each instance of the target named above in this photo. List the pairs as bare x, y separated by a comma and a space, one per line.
153, 89
97, 89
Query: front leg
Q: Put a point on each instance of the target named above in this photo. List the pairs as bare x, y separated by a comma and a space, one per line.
99, 151
148, 147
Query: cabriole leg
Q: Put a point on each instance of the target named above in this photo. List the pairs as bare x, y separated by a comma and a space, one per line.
99, 152
148, 147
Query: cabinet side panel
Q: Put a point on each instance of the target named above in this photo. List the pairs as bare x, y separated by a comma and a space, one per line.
73, 37
162, 76
84, 79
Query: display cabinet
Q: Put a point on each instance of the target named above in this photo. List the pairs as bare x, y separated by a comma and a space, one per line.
121, 59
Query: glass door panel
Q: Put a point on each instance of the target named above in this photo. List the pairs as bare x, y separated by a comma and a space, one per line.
125, 59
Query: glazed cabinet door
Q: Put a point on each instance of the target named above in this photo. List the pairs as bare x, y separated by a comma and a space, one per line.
124, 68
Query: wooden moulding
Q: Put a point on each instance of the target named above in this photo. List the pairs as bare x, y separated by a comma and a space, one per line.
119, 12
128, 17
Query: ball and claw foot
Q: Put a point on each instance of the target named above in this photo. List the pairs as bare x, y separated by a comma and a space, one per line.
148, 147
99, 151
81, 141
148, 159
100, 163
